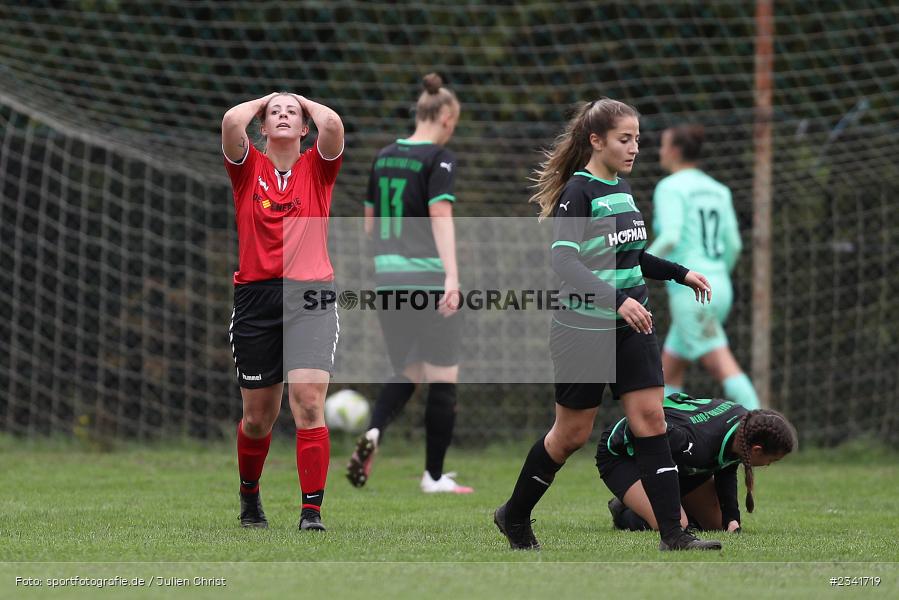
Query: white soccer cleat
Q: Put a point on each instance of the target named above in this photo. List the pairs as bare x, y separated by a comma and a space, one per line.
446, 484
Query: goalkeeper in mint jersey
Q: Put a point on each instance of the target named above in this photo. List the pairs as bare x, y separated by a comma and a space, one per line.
695, 224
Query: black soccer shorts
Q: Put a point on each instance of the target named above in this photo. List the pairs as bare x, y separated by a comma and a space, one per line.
619, 472
424, 335
278, 326
582, 359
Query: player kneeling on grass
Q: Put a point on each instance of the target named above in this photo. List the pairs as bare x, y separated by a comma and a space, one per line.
709, 439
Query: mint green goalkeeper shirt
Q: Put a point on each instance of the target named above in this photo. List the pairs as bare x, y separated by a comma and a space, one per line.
694, 223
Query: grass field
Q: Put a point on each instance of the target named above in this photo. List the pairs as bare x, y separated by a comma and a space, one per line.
171, 512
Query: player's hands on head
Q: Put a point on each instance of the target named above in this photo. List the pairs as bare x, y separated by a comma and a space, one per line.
262, 103
636, 315
734, 527
302, 101
701, 286
451, 300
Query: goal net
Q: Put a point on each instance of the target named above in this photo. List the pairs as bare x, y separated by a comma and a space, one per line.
117, 220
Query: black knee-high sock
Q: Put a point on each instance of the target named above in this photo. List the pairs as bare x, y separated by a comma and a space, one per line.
536, 476
393, 397
440, 419
659, 476
632, 521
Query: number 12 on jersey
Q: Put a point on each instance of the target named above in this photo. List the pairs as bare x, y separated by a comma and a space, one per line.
391, 206
710, 222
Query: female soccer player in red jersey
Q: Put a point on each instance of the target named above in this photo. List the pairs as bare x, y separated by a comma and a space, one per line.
284, 319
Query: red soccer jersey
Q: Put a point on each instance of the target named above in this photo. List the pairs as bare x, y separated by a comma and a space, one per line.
282, 220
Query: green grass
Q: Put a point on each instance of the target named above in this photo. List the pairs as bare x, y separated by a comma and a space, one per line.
819, 514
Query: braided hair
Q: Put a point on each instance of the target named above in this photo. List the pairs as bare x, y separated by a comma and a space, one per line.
768, 429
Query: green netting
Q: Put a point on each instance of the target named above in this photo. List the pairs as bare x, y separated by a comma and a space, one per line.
116, 216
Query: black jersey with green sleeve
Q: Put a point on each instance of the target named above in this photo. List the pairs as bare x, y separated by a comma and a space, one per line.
406, 179
600, 220
699, 433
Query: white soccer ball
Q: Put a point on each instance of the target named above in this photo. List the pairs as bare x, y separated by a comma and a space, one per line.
347, 410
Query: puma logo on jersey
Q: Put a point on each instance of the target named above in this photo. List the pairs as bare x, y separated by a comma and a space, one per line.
666, 469
687, 451
447, 166
263, 183
565, 205
633, 234
606, 204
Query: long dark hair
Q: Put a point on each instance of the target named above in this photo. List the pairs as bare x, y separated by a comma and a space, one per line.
571, 149
768, 429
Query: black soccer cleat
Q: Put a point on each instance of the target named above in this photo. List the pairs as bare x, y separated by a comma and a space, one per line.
693, 527
687, 541
311, 520
616, 507
359, 467
251, 514
520, 535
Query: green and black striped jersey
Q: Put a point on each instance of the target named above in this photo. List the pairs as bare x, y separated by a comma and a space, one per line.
599, 219
406, 178
699, 433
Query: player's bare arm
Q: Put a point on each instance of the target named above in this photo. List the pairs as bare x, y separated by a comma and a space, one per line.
235, 142
329, 125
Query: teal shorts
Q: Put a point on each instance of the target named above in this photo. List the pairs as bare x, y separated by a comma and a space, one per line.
697, 329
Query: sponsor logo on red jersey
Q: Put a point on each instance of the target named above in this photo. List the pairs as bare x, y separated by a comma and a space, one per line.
282, 217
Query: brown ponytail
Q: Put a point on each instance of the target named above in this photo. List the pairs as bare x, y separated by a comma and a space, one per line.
768, 429
434, 97
571, 150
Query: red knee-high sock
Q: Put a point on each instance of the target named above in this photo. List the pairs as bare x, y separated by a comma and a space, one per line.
313, 454
251, 453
